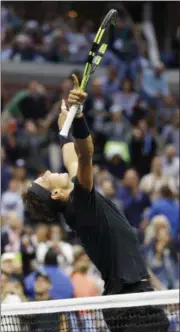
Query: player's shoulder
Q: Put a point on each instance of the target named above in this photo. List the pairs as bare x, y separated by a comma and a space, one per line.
79, 189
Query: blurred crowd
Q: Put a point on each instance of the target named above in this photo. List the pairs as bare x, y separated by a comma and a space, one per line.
134, 119
67, 38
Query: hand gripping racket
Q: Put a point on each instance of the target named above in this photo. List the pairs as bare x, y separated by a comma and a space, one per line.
99, 47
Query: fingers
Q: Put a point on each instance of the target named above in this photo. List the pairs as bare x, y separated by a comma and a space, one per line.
73, 101
76, 82
76, 97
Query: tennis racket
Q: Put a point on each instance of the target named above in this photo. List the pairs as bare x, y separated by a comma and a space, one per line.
99, 48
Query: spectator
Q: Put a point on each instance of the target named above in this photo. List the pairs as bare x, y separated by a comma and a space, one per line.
23, 49
6, 172
63, 249
152, 182
126, 97
134, 200
140, 63
117, 129
171, 132
61, 284
57, 48
13, 292
84, 284
101, 174
40, 241
154, 84
123, 41
117, 166
81, 259
170, 164
159, 259
111, 81
97, 104
4, 280
157, 222
79, 43
11, 200
28, 251
42, 286
142, 146
167, 206
31, 143
8, 263
108, 190
20, 174
9, 142
28, 103
10, 235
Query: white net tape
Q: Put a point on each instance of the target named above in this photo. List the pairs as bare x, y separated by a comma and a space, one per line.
169, 297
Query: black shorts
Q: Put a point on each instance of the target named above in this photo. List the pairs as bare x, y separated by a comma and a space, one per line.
136, 319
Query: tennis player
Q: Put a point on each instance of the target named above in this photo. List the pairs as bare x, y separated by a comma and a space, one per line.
106, 235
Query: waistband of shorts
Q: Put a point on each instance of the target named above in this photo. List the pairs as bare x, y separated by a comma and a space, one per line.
143, 285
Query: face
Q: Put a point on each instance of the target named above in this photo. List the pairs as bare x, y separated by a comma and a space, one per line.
127, 86
160, 224
82, 260
8, 266
42, 285
60, 185
112, 72
116, 116
30, 127
156, 165
42, 232
108, 188
142, 125
163, 235
96, 87
13, 185
131, 178
20, 173
170, 152
14, 222
56, 233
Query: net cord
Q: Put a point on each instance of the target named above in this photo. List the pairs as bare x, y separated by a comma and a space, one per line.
166, 297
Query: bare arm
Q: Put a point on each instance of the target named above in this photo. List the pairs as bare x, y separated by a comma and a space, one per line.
155, 281
70, 158
84, 147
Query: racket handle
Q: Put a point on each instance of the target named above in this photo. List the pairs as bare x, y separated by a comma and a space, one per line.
68, 122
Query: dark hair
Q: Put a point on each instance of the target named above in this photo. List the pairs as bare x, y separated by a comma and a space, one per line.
127, 78
166, 192
38, 208
51, 257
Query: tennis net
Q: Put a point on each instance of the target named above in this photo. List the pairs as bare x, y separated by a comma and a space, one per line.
139, 312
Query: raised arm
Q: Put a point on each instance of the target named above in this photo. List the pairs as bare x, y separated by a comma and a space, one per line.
83, 139
69, 155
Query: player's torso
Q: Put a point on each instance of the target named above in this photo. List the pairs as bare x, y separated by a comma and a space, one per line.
107, 238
